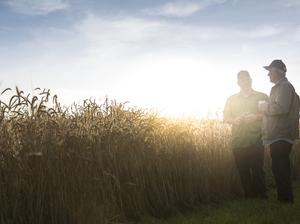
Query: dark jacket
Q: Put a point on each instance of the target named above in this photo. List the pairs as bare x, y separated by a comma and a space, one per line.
281, 117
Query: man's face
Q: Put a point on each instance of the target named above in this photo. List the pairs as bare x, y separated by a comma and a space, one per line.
273, 75
244, 81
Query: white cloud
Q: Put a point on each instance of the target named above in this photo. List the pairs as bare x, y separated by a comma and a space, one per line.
174, 9
181, 8
291, 3
262, 32
36, 7
96, 45
132, 33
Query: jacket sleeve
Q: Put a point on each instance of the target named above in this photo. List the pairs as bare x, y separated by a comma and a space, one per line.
282, 102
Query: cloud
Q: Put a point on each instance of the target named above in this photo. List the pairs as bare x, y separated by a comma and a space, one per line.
36, 7
291, 3
91, 45
181, 8
262, 32
131, 34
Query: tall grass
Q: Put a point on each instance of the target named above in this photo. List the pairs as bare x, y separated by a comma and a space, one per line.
106, 163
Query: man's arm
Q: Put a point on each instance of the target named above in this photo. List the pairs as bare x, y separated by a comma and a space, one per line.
227, 115
259, 115
253, 117
281, 105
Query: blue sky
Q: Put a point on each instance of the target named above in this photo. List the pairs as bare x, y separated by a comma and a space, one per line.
179, 57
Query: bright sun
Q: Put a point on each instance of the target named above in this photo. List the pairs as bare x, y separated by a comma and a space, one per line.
180, 86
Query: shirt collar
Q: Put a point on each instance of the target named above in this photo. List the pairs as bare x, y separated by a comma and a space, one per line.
280, 80
251, 93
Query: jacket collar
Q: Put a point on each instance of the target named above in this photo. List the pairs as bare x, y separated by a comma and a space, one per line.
284, 79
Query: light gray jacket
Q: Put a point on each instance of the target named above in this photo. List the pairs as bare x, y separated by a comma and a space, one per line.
281, 117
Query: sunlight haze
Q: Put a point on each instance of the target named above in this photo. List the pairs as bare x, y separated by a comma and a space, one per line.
177, 57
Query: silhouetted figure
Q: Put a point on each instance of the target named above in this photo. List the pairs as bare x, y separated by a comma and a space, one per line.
241, 111
281, 127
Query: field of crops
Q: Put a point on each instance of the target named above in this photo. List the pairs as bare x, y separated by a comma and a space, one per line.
106, 162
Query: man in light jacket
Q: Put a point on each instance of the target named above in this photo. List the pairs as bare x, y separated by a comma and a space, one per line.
280, 127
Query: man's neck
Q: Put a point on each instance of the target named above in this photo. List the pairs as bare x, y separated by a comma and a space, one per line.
246, 92
279, 80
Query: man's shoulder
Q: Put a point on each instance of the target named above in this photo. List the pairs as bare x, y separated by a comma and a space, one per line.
260, 95
286, 86
233, 97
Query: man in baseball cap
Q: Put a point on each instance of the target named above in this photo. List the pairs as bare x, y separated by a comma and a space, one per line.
280, 127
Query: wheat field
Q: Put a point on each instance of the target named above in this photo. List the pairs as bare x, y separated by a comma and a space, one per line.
107, 162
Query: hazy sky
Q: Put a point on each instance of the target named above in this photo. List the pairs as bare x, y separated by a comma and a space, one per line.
180, 57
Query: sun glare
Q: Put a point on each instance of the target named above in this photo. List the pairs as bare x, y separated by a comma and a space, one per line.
180, 86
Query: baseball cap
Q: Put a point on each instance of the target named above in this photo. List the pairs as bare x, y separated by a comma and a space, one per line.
277, 64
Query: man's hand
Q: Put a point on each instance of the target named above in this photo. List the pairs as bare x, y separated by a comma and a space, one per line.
252, 118
237, 120
248, 118
262, 106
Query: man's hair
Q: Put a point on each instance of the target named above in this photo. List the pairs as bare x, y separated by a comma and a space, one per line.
243, 73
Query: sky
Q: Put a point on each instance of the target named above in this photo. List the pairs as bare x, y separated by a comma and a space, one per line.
178, 57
